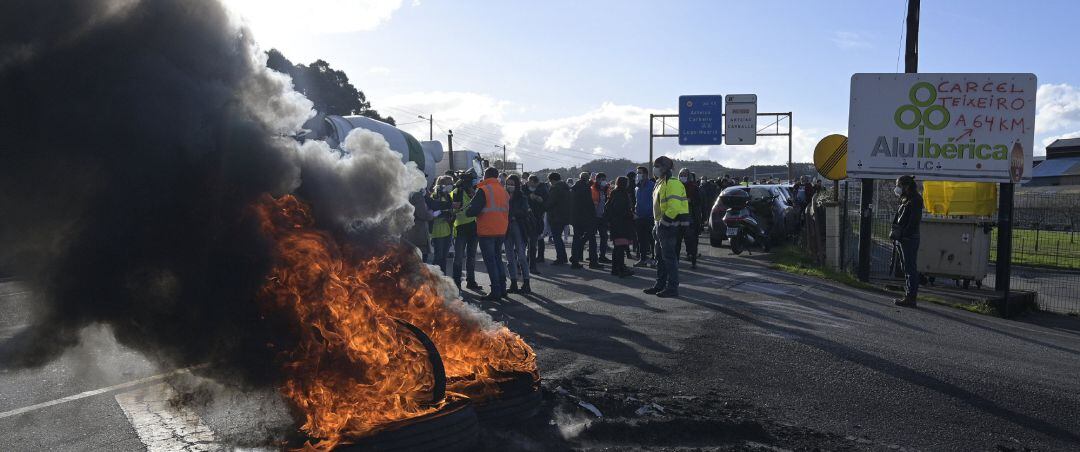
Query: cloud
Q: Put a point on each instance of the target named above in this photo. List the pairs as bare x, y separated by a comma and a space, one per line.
379, 70
274, 18
609, 130
1057, 113
850, 40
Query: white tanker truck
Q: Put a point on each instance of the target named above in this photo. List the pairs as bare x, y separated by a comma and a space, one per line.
428, 155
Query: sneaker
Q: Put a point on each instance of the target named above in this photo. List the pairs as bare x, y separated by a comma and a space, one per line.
668, 293
473, 286
626, 273
576, 266
652, 263
513, 287
641, 264
604, 260
490, 297
558, 262
653, 290
595, 265
526, 288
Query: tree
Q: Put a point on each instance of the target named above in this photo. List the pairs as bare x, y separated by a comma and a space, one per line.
328, 88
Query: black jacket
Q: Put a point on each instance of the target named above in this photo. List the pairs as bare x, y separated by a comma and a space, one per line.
905, 224
584, 209
619, 214
559, 204
521, 216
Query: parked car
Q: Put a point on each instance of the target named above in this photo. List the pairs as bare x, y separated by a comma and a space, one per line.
780, 220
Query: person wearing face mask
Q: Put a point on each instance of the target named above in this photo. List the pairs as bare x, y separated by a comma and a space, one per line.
621, 218
536, 194
600, 195
671, 209
491, 206
689, 233
465, 238
560, 213
441, 228
518, 233
643, 216
905, 232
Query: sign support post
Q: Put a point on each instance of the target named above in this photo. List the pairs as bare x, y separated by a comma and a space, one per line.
1003, 267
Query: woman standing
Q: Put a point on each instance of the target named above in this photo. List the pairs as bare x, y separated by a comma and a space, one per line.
521, 227
905, 232
441, 229
620, 218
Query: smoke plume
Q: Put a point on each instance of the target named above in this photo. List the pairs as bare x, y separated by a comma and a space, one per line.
134, 137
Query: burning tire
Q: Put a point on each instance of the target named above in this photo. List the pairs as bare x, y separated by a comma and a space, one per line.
453, 428
518, 401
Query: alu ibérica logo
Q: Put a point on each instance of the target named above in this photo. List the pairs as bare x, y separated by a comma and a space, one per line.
922, 113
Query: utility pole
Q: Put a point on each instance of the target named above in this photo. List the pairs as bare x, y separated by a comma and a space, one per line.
450, 146
911, 66
503, 166
649, 165
431, 126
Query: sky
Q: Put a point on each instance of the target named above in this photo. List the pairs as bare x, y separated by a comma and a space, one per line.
563, 82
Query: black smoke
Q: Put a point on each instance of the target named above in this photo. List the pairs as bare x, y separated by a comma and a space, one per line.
134, 136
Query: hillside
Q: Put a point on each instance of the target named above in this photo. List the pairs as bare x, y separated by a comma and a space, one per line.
708, 168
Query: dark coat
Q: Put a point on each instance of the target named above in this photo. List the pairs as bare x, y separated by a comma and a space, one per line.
521, 216
584, 209
537, 206
559, 204
620, 215
908, 217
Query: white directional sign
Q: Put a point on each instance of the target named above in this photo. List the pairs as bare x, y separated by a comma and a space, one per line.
962, 127
740, 119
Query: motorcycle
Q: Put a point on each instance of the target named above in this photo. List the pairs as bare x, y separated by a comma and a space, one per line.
743, 228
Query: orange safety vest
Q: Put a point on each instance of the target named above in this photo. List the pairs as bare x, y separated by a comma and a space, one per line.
494, 219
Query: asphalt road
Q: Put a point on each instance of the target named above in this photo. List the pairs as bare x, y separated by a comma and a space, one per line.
799, 352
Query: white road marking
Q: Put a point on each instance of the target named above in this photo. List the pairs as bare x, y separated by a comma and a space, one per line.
92, 393
162, 426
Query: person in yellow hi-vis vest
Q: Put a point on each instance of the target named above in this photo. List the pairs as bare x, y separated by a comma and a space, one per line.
465, 239
671, 209
441, 230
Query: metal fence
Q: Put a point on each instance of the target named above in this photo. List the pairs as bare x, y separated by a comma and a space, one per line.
1046, 243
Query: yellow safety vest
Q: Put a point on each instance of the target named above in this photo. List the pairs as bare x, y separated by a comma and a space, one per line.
461, 219
671, 207
440, 227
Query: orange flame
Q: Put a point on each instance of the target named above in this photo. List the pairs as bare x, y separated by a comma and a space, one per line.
352, 369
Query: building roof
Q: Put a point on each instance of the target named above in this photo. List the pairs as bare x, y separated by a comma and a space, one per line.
1062, 143
1065, 166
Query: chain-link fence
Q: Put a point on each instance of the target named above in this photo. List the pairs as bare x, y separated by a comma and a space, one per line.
1046, 243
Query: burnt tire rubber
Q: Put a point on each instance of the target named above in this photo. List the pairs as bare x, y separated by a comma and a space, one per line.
716, 240
519, 400
455, 428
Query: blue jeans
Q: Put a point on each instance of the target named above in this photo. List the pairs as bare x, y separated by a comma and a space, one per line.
491, 250
442, 251
909, 254
667, 262
517, 256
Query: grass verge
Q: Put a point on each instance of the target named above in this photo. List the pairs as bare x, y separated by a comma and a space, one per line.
792, 259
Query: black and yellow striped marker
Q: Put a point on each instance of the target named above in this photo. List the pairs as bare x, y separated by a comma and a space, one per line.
830, 157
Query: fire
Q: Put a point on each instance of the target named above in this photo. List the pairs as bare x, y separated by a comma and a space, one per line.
350, 368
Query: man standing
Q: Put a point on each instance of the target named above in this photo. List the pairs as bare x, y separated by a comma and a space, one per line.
689, 234
584, 222
560, 212
537, 194
670, 211
600, 196
465, 240
491, 207
643, 216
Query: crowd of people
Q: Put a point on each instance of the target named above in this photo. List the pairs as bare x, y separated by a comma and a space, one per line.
644, 215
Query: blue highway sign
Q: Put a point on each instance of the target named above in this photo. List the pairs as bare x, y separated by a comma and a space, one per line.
701, 120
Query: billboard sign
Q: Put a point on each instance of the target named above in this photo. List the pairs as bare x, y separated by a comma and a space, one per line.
701, 120
740, 119
962, 127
